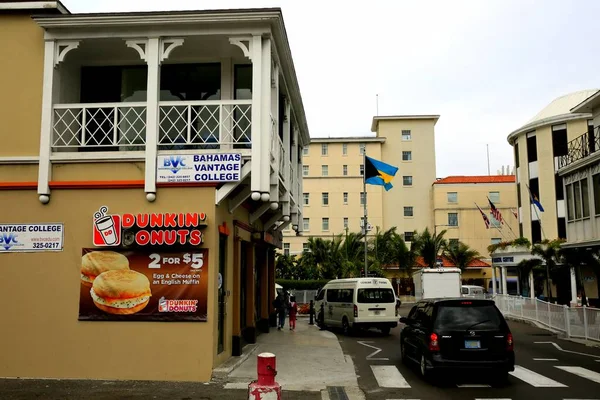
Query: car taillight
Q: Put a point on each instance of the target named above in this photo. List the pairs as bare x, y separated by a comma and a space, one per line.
510, 344
433, 342
355, 311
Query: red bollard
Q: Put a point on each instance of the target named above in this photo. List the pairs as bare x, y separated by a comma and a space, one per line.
265, 388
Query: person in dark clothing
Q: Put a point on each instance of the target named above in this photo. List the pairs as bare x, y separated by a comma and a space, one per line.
279, 305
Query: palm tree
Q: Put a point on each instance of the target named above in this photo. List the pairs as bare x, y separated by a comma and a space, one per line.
576, 257
461, 255
548, 251
525, 267
285, 267
429, 246
317, 254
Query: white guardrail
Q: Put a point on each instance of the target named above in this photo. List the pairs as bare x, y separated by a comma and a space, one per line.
574, 322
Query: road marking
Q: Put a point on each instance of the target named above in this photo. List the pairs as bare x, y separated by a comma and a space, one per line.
388, 376
533, 378
582, 372
568, 351
472, 385
545, 359
377, 350
494, 399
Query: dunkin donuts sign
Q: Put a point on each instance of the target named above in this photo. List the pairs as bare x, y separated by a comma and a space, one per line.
150, 229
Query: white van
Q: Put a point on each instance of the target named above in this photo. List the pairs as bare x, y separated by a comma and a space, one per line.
357, 303
472, 291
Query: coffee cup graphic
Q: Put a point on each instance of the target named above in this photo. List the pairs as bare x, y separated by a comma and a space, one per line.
106, 226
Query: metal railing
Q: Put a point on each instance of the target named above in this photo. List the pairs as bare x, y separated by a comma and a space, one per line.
580, 147
575, 322
304, 296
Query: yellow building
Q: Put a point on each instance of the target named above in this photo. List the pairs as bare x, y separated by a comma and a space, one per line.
149, 163
333, 182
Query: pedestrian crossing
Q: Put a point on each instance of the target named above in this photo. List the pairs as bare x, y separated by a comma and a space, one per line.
390, 377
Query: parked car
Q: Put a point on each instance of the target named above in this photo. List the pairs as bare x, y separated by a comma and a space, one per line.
456, 334
472, 291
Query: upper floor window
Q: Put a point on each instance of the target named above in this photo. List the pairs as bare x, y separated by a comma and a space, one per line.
408, 211
305, 170
324, 170
324, 149
345, 222
306, 197
304, 246
286, 249
452, 197
305, 150
494, 197
531, 147
406, 135
362, 170
345, 170
325, 223
408, 236
407, 156
494, 222
345, 149
325, 198
306, 224
362, 148
345, 197
362, 198
496, 240
453, 219
407, 180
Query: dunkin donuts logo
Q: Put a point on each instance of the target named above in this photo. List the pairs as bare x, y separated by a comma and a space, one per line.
165, 305
107, 228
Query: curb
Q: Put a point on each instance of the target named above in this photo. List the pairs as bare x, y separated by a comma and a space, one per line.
233, 362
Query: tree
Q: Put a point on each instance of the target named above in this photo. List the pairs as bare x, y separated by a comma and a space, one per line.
524, 268
429, 246
548, 251
285, 267
461, 255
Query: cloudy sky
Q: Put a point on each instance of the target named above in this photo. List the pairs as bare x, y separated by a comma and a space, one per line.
485, 66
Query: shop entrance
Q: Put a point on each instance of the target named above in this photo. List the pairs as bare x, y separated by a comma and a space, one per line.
222, 293
243, 283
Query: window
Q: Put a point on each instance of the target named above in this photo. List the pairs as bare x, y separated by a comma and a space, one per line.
362, 148
362, 170
559, 140
494, 222
455, 316
345, 170
286, 249
407, 156
306, 197
345, 222
453, 219
304, 246
577, 195
305, 150
531, 147
408, 236
371, 296
305, 170
452, 197
570, 202
452, 242
408, 211
496, 240
406, 135
596, 189
362, 198
407, 180
345, 197
306, 224
536, 232
585, 203
324, 170
325, 224
344, 149
325, 198
494, 197
324, 149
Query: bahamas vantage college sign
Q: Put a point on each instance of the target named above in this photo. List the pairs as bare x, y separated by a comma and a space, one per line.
191, 168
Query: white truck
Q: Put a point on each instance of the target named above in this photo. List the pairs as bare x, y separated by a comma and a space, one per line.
437, 283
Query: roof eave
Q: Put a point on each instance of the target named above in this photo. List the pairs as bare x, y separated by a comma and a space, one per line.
546, 121
376, 119
588, 104
34, 6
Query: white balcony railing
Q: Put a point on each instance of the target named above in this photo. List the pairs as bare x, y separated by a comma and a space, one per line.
99, 125
205, 124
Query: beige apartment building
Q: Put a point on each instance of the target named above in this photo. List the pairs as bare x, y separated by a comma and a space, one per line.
455, 201
333, 183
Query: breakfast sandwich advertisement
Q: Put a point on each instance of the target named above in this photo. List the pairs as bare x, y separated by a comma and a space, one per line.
124, 285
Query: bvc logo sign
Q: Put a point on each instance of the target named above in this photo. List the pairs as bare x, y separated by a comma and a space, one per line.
8, 240
174, 163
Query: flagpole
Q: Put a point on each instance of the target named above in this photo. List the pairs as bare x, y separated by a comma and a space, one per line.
536, 211
365, 207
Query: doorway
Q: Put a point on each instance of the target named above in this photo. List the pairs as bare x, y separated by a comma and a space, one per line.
243, 284
222, 293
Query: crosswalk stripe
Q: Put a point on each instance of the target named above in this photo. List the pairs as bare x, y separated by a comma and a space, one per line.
545, 359
582, 372
388, 376
472, 385
533, 378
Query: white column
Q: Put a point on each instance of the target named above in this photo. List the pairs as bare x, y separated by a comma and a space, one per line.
256, 128
493, 280
265, 161
531, 285
153, 54
292, 154
226, 124
573, 287
518, 286
45, 168
504, 278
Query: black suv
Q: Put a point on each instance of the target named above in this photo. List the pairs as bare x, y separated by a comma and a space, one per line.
457, 333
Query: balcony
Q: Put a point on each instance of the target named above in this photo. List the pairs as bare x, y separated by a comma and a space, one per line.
580, 148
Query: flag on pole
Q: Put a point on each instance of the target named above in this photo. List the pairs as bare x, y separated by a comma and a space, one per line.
515, 213
495, 212
535, 200
485, 217
379, 173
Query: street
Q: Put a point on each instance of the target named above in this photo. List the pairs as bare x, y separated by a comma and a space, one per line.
546, 367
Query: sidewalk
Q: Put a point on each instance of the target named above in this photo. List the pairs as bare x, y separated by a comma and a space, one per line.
308, 359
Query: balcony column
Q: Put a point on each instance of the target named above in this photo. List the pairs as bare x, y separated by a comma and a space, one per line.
258, 157
573, 287
531, 285
287, 176
152, 115
267, 131
299, 186
494, 280
274, 118
504, 281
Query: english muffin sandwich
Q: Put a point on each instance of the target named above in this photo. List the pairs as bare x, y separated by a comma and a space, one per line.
96, 262
121, 291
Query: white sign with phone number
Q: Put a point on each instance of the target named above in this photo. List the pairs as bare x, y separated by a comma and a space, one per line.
31, 237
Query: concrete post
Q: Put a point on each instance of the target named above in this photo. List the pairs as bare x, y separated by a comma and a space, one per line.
573, 288
504, 285
531, 285
494, 291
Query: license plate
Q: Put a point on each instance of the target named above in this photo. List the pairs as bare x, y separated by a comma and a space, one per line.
376, 312
472, 344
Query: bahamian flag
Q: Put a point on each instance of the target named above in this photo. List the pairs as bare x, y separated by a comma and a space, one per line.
379, 173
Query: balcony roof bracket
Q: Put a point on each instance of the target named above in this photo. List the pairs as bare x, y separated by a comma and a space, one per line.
227, 188
62, 47
259, 213
139, 45
237, 201
245, 44
283, 225
168, 45
269, 224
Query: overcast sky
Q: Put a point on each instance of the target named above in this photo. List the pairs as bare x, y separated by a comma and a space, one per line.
485, 66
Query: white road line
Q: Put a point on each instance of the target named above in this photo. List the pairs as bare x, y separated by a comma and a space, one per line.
472, 385
494, 399
388, 376
545, 359
569, 351
533, 378
377, 350
582, 372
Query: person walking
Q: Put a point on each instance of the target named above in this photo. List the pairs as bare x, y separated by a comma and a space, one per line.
279, 305
293, 311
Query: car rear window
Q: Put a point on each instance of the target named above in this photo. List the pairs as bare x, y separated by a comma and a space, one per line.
464, 316
376, 296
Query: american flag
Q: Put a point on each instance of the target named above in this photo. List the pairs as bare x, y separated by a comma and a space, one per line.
495, 212
515, 213
485, 217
